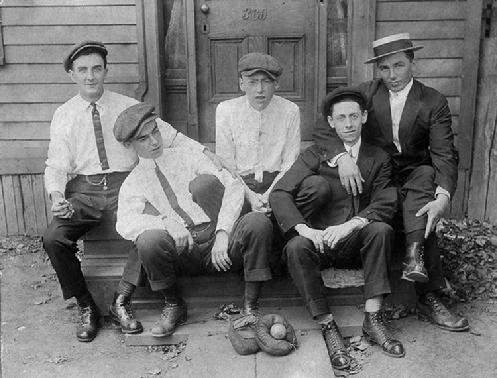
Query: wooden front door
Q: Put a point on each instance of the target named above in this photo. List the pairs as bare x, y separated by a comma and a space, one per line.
286, 29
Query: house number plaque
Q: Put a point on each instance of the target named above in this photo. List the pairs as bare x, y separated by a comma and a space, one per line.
254, 14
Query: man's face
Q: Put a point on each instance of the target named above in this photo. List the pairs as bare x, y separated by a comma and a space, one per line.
347, 119
259, 88
88, 72
148, 143
396, 71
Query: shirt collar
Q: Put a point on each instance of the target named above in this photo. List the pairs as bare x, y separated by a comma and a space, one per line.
100, 102
355, 148
266, 109
404, 92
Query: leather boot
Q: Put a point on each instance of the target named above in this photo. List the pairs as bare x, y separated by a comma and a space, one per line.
121, 314
173, 314
251, 298
339, 356
414, 265
89, 315
374, 329
431, 308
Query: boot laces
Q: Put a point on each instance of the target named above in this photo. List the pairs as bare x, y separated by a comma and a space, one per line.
436, 303
85, 314
330, 332
378, 322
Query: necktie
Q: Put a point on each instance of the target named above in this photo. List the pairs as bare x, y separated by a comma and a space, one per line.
99, 137
171, 197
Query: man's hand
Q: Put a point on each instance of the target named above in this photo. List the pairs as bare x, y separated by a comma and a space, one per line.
180, 234
61, 208
258, 202
333, 234
315, 236
350, 175
219, 253
220, 163
434, 209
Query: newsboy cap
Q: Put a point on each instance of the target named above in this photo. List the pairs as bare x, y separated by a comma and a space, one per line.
392, 44
338, 94
80, 47
256, 61
131, 120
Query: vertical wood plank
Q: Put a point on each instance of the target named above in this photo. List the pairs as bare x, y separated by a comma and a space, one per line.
142, 53
39, 201
321, 55
3, 218
19, 204
362, 35
29, 205
191, 70
10, 206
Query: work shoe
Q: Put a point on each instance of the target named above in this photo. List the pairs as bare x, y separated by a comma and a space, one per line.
251, 298
173, 314
89, 318
414, 265
431, 308
375, 331
121, 314
339, 356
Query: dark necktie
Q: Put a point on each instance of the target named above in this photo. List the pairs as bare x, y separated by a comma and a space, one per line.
171, 197
99, 137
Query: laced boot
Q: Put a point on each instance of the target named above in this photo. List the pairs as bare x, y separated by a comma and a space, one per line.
122, 315
251, 298
431, 308
375, 331
339, 356
173, 314
414, 265
89, 317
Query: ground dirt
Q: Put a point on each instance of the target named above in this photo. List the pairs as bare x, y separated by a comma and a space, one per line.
38, 339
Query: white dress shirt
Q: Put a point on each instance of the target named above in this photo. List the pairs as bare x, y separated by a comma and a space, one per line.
397, 103
179, 166
73, 149
257, 141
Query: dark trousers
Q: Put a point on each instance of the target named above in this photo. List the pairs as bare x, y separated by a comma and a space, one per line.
249, 243
416, 188
89, 199
369, 247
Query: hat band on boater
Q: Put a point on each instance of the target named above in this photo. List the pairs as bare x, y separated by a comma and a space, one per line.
386, 48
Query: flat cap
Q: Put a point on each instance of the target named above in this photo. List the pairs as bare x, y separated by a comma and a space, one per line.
80, 47
339, 93
256, 61
131, 120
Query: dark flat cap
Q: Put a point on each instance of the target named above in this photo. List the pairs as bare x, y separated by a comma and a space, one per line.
256, 61
339, 93
131, 120
80, 47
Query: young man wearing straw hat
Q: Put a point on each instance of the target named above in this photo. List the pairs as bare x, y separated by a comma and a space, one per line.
412, 122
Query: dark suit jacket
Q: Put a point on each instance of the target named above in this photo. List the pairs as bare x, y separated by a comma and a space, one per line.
378, 201
425, 132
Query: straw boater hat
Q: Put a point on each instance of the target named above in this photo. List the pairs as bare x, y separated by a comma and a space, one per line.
392, 44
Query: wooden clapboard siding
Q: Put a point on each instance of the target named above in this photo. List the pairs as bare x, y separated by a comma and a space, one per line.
24, 206
36, 35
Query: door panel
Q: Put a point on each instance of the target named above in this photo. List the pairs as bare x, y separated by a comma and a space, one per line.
286, 29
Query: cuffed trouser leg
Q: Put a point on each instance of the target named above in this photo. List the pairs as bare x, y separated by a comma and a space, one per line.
133, 272
59, 241
303, 264
250, 245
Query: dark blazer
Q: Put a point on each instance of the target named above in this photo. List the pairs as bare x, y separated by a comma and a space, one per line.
378, 201
425, 132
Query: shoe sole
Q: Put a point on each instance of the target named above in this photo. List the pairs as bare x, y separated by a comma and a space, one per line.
426, 318
165, 334
373, 341
117, 323
415, 277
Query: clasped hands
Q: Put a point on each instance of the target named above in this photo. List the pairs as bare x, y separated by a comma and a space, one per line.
61, 208
184, 242
329, 237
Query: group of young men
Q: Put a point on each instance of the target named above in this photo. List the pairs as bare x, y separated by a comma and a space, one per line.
383, 156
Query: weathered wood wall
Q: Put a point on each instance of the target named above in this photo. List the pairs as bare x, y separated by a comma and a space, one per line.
36, 35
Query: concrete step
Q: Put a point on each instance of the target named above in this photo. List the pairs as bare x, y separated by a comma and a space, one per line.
201, 323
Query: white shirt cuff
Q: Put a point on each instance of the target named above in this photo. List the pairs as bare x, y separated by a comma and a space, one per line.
334, 161
441, 190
